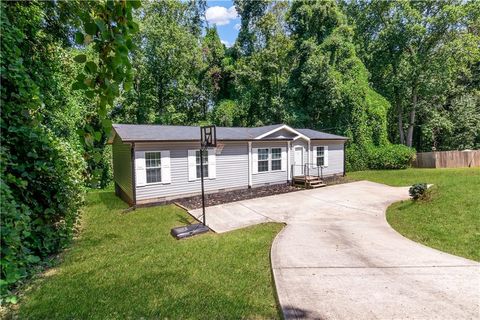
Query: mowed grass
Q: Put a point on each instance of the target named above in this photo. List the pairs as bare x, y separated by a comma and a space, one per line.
127, 266
449, 220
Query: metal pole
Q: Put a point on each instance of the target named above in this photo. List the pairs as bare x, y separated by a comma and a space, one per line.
203, 189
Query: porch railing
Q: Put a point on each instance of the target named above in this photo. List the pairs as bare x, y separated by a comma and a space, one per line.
309, 170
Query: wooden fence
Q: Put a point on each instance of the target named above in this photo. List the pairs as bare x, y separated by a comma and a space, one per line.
448, 159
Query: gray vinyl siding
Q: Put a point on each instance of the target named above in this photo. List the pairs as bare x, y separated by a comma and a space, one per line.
269, 177
335, 156
231, 171
122, 166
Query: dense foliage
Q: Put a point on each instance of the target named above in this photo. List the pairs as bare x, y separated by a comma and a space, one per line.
43, 167
424, 58
41, 183
378, 72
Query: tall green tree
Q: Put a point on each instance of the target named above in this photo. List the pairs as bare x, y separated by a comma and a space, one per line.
211, 77
261, 77
168, 63
418, 53
329, 85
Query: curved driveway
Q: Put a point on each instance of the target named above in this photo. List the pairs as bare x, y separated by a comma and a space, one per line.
338, 258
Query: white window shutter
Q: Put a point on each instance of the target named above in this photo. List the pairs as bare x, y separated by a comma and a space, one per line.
166, 176
192, 165
325, 155
212, 164
284, 159
255, 160
314, 157
140, 170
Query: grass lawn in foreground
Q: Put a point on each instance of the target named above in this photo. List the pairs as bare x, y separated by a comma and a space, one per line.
126, 265
449, 221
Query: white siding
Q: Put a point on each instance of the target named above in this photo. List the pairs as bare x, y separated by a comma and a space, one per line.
231, 171
122, 166
335, 156
269, 177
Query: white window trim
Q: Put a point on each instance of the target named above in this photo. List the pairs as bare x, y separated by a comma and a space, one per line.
325, 156
141, 164
159, 167
269, 160
210, 165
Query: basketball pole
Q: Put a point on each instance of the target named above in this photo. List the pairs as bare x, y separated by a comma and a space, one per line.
202, 150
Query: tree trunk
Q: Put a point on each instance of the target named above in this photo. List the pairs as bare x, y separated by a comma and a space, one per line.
398, 103
411, 121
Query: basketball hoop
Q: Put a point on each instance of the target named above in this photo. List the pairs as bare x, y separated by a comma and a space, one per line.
208, 136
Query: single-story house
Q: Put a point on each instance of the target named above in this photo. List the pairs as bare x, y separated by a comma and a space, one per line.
155, 163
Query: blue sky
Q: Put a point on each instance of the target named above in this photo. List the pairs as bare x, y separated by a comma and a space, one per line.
224, 15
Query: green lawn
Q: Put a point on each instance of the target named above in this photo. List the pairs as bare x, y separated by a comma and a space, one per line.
126, 265
449, 221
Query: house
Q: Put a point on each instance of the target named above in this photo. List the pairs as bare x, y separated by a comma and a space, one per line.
154, 163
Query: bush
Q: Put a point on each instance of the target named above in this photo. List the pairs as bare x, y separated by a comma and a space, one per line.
41, 190
418, 191
389, 156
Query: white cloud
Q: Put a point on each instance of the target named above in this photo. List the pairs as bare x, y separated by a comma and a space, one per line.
237, 26
221, 15
226, 43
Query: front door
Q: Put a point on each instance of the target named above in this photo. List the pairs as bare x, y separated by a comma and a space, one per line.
298, 161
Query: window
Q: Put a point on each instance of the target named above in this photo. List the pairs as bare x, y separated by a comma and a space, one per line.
153, 164
320, 156
262, 160
276, 159
205, 164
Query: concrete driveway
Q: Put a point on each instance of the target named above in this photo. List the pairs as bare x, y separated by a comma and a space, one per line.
337, 257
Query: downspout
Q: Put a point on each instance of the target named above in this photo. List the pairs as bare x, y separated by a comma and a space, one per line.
344, 159
134, 183
250, 164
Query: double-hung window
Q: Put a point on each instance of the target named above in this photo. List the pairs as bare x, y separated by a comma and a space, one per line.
198, 165
153, 165
263, 160
276, 159
320, 156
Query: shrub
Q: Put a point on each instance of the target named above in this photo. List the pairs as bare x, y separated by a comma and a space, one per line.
390, 156
41, 190
418, 191
356, 158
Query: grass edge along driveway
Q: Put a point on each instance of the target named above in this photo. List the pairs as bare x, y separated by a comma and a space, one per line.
126, 265
449, 221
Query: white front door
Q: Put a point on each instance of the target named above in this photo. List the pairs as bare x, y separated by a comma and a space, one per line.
298, 161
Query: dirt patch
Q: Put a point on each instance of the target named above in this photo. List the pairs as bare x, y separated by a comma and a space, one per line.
237, 195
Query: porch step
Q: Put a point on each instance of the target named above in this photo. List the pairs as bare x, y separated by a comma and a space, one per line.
308, 182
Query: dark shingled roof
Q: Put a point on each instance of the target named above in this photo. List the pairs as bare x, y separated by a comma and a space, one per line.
145, 132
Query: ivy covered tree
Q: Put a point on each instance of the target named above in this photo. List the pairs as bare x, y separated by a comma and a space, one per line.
421, 55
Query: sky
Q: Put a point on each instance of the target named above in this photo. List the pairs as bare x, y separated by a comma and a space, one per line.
224, 15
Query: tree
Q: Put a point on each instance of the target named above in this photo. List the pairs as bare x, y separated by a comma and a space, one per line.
168, 63
329, 86
41, 184
107, 28
211, 76
417, 51
261, 77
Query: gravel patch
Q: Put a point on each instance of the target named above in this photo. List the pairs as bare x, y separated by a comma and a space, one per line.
237, 195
